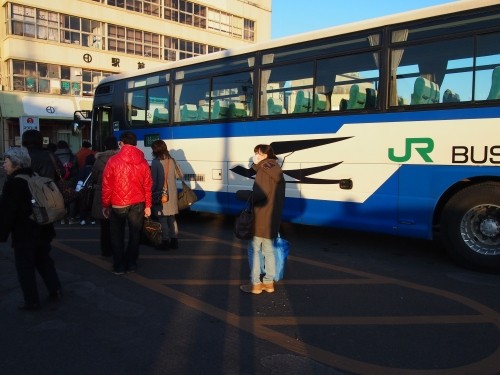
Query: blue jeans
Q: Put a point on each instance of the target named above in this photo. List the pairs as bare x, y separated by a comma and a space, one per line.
256, 246
133, 215
168, 227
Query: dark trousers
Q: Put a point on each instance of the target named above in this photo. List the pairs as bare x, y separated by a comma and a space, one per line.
32, 258
106, 249
125, 258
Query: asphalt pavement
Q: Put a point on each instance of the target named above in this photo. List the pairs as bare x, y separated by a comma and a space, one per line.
109, 324
349, 303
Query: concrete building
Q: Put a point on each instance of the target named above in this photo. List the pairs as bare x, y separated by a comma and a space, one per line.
53, 53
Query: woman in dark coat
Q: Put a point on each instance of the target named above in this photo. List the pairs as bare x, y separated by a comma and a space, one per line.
31, 242
268, 197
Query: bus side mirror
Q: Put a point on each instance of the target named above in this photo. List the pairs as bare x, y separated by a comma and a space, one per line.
81, 119
76, 128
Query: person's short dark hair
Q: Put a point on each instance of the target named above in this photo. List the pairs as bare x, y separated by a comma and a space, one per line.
32, 139
86, 144
128, 138
111, 143
52, 147
62, 144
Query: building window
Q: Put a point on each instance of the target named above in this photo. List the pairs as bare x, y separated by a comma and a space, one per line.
54, 79
47, 27
200, 16
55, 27
179, 49
133, 42
24, 76
249, 30
23, 21
152, 7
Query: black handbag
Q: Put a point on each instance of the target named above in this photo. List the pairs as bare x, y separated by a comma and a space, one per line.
86, 194
186, 197
151, 231
67, 189
243, 228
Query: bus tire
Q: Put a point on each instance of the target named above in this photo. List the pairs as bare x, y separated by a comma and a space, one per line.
470, 226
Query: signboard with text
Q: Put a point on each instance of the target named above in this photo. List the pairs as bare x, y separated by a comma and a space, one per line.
28, 123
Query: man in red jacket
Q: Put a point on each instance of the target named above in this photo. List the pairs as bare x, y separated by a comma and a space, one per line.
126, 198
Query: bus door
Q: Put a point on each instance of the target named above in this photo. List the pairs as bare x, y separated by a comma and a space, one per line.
101, 126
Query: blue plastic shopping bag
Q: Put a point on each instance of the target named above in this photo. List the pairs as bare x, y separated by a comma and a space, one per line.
281, 249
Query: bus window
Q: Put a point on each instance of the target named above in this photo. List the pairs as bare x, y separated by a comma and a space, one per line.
287, 89
451, 25
424, 73
136, 108
158, 105
188, 96
322, 47
234, 91
487, 82
345, 89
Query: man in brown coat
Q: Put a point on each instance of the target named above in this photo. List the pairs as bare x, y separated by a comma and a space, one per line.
268, 197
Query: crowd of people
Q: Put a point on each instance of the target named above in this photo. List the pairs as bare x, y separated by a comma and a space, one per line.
123, 185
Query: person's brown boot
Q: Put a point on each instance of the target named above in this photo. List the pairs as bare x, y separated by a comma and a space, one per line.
252, 288
268, 287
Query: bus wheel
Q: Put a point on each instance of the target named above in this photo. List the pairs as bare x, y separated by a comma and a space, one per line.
470, 226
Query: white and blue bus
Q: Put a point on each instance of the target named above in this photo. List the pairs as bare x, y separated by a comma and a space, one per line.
390, 125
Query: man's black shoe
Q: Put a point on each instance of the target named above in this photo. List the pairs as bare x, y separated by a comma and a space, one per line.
56, 296
30, 307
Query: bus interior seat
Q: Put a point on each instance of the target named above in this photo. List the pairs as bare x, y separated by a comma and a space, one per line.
221, 109
450, 97
319, 102
434, 93
160, 115
371, 98
424, 92
237, 110
203, 112
495, 84
189, 112
302, 102
274, 106
357, 99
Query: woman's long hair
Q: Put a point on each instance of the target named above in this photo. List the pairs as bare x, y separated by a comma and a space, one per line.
160, 150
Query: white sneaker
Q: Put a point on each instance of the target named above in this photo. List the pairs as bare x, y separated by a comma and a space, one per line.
62, 221
82, 222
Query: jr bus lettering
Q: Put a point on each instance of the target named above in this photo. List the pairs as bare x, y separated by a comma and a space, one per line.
475, 155
425, 147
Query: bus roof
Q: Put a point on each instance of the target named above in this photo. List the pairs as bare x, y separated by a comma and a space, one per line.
393, 19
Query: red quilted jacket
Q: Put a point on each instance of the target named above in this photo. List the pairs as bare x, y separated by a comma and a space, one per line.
126, 179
